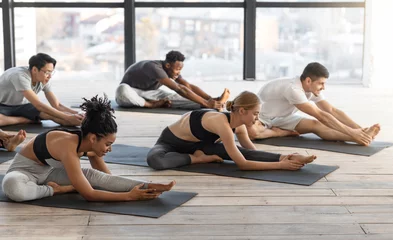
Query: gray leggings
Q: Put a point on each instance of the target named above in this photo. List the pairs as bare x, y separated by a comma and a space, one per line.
171, 151
26, 180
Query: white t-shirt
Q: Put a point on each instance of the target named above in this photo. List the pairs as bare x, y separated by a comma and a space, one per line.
16, 80
280, 95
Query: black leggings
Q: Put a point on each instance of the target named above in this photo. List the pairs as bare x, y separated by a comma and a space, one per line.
171, 151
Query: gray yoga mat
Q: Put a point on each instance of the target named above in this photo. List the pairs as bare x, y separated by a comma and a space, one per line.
150, 208
309, 174
45, 125
174, 111
314, 142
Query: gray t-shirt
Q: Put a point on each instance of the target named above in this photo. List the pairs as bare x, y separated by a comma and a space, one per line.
145, 75
16, 80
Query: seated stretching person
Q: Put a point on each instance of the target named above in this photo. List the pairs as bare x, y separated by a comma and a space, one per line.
49, 164
282, 98
19, 101
193, 139
10, 142
142, 81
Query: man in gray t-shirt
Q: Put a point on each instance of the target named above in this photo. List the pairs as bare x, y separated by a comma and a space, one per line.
141, 84
19, 102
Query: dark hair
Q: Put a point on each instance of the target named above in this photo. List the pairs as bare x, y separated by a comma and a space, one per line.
174, 56
314, 71
99, 118
40, 60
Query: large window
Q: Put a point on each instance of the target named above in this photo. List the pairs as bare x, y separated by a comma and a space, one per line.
88, 45
211, 39
288, 39
88, 40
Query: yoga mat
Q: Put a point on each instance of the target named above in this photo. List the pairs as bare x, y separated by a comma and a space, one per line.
174, 111
314, 142
6, 156
150, 208
309, 174
45, 125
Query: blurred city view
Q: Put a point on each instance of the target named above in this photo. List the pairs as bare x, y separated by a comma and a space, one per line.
90, 42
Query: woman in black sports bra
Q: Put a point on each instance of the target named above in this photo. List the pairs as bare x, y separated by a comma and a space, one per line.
196, 137
49, 164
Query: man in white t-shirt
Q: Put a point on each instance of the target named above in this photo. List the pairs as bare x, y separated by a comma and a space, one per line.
19, 102
282, 98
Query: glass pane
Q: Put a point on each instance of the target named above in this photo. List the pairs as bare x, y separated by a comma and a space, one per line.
310, 0
211, 39
68, 0
88, 44
288, 39
188, 0
1, 42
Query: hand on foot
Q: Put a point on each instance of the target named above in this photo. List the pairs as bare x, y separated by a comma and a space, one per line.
287, 164
302, 159
373, 130
57, 189
13, 141
162, 103
201, 157
361, 137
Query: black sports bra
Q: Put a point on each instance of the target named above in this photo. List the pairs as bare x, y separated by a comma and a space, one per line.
39, 146
197, 129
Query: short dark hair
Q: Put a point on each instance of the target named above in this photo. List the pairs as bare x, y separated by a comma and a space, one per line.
99, 118
40, 60
174, 56
314, 71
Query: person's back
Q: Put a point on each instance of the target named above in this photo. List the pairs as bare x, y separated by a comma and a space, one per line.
144, 75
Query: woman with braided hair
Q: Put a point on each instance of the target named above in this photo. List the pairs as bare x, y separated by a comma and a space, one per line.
195, 139
49, 164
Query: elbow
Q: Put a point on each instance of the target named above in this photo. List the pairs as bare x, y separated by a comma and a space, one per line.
243, 166
89, 196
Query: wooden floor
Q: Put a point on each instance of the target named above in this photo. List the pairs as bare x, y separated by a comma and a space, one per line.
354, 202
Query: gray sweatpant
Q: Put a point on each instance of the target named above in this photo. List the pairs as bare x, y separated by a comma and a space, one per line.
26, 180
127, 96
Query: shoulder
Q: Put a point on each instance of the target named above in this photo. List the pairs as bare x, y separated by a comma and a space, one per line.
62, 139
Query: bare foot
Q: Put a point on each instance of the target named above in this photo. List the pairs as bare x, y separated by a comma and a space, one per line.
162, 103
162, 187
303, 159
373, 130
57, 189
224, 96
201, 157
11, 143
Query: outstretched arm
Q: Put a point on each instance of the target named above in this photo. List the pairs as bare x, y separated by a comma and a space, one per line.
193, 88
337, 113
243, 138
54, 102
189, 94
330, 121
98, 163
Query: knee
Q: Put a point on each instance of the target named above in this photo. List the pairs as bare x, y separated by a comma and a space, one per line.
155, 160
254, 130
14, 186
